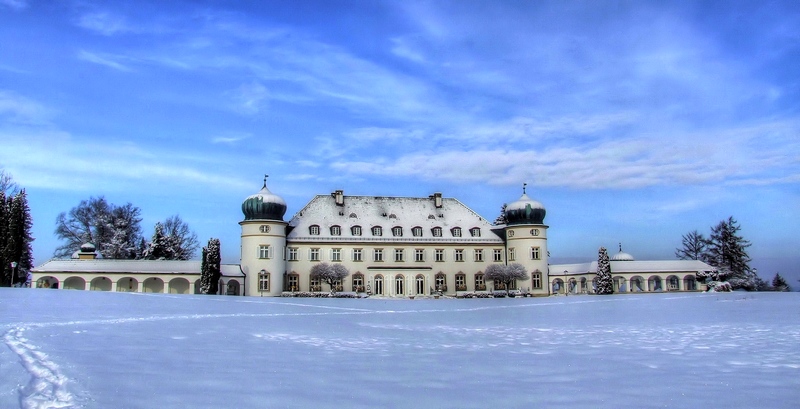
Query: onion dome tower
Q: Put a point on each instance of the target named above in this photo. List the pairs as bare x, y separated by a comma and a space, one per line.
526, 241
263, 243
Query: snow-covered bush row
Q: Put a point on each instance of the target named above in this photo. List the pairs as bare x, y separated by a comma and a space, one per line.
719, 286
309, 294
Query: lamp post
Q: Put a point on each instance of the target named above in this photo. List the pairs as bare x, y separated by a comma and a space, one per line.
13, 271
566, 287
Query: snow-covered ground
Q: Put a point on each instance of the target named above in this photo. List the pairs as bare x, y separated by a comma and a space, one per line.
122, 350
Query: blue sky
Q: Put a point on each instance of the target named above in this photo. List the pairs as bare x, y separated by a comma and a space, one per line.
633, 122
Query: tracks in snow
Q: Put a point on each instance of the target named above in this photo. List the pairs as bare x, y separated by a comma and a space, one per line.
47, 386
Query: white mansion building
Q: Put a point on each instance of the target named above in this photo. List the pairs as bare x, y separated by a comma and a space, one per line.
392, 246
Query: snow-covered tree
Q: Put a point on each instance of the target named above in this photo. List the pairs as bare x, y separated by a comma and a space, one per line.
7, 185
501, 219
604, 281
331, 274
159, 247
114, 230
181, 240
727, 251
505, 274
693, 247
15, 238
780, 284
211, 273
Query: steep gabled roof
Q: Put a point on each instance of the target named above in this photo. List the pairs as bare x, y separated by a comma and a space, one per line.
389, 212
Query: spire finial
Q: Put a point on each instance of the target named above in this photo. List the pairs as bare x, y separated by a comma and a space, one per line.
265, 179
524, 186
620, 247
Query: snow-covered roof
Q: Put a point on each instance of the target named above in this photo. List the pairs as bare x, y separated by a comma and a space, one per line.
131, 267
632, 267
389, 212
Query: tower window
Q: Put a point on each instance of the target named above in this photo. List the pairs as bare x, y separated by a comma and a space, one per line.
263, 281
264, 251
535, 254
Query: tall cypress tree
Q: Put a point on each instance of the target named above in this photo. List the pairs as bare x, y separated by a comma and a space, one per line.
210, 268
604, 283
18, 239
5, 273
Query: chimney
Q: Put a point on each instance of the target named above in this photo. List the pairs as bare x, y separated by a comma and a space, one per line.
437, 199
338, 196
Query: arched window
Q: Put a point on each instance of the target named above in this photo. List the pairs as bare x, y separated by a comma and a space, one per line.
441, 282
397, 231
420, 282
313, 230
461, 282
475, 232
480, 282
456, 231
358, 282
379, 285
293, 282
399, 285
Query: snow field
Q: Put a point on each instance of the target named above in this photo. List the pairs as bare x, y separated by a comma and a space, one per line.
123, 350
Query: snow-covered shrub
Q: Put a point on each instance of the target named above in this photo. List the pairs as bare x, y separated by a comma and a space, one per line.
719, 286
498, 294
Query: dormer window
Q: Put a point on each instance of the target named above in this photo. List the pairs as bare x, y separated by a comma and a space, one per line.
377, 231
336, 231
392, 216
475, 232
353, 216
436, 231
397, 231
456, 231
355, 230
416, 231
313, 230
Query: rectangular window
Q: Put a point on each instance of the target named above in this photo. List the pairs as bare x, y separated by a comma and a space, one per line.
264, 251
511, 254
479, 255
314, 284
336, 231
397, 231
475, 232
459, 255
480, 284
263, 281
437, 232
398, 255
456, 232
417, 231
535, 253
356, 230
336, 254
419, 255
293, 254
536, 280
294, 282
438, 254
377, 231
497, 255
357, 255
314, 230
313, 254
377, 255
461, 282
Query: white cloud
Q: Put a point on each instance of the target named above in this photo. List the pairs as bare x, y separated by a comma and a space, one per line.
103, 22
250, 99
103, 59
17, 109
14, 4
231, 138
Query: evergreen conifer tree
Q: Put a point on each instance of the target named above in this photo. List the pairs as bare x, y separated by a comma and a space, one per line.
209, 278
158, 248
780, 284
727, 251
17, 224
604, 283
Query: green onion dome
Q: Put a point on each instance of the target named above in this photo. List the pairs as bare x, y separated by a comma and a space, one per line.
264, 205
525, 211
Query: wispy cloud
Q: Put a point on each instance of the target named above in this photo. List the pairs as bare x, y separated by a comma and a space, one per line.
230, 138
103, 22
103, 59
17, 109
250, 99
14, 4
